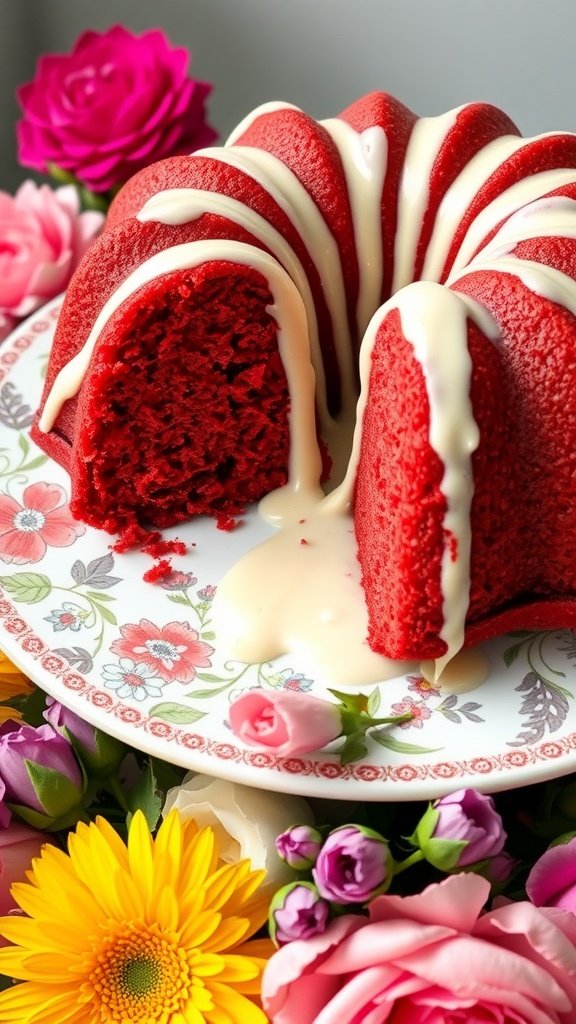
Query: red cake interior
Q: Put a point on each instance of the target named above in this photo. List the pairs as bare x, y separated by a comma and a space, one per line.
189, 365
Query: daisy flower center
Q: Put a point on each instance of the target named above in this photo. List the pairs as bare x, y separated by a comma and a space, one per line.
163, 649
29, 520
140, 977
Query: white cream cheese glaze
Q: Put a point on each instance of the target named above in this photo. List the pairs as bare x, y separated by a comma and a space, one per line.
434, 321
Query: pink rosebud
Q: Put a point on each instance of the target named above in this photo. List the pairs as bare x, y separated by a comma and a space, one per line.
552, 880
18, 845
469, 816
288, 723
299, 846
40, 773
297, 912
115, 104
43, 236
460, 829
353, 865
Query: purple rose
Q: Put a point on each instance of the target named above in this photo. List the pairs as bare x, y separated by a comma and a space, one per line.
353, 865
299, 846
115, 104
297, 912
552, 880
40, 774
460, 829
100, 753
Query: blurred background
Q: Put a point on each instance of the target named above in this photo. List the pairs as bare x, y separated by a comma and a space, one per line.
322, 54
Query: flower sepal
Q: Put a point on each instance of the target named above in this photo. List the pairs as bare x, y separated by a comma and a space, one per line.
443, 854
60, 798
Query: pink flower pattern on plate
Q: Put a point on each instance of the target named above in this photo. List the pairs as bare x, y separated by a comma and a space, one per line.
417, 708
421, 686
42, 520
174, 651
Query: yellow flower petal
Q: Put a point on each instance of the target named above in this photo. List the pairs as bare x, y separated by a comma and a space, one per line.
90, 950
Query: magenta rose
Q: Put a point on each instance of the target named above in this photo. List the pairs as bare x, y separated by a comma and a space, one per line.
433, 958
115, 104
18, 845
286, 722
552, 880
43, 236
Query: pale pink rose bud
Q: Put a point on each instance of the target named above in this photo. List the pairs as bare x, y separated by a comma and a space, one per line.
288, 723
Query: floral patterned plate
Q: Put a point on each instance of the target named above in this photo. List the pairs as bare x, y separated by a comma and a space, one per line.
142, 662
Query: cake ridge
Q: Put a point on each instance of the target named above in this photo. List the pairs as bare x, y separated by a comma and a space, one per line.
457, 222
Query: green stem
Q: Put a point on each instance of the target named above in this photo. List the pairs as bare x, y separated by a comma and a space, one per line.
113, 786
414, 858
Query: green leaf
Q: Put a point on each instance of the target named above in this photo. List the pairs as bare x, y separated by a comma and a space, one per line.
206, 694
178, 714
55, 791
36, 462
23, 444
354, 747
28, 587
208, 677
106, 614
511, 653
63, 177
374, 702
179, 599
209, 635
399, 746
93, 200
95, 595
146, 796
355, 702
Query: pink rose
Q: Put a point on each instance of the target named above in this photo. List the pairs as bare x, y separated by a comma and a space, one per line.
552, 880
18, 845
43, 236
115, 104
286, 722
433, 958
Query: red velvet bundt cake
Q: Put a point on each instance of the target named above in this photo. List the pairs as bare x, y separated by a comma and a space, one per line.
432, 260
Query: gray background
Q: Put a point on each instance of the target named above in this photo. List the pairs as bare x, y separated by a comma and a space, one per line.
322, 54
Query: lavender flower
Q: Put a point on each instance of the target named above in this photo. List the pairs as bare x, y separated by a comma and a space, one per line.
297, 912
41, 775
299, 846
460, 829
353, 865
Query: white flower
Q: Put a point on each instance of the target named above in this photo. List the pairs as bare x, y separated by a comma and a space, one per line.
246, 821
132, 679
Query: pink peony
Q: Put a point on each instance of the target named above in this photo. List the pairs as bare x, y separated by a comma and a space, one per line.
42, 520
552, 880
174, 651
286, 722
115, 104
434, 958
43, 235
18, 845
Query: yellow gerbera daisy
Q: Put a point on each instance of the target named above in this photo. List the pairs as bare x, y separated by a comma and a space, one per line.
152, 932
13, 683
